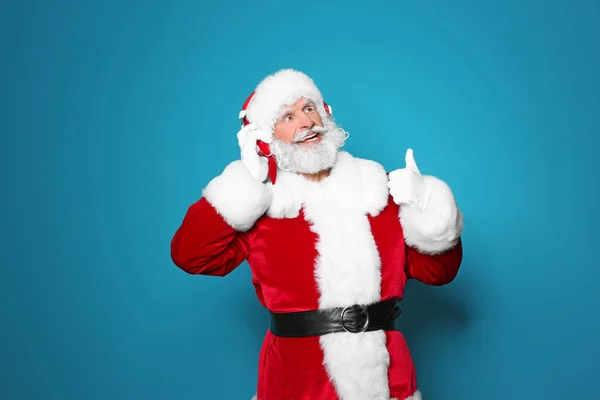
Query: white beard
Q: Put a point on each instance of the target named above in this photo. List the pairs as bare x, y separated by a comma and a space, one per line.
314, 158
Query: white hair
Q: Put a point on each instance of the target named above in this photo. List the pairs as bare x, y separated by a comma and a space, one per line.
294, 157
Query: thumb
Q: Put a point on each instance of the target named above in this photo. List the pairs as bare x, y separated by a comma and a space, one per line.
410, 162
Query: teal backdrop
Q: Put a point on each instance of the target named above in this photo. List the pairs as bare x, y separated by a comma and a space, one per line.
115, 115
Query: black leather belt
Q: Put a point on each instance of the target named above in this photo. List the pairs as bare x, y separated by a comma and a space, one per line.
354, 319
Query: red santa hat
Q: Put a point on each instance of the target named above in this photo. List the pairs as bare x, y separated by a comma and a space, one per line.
283, 88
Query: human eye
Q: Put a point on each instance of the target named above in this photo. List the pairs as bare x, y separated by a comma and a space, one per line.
309, 108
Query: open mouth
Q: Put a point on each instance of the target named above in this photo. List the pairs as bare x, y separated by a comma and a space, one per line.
313, 136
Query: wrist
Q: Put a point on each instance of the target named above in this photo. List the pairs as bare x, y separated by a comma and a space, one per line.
435, 224
238, 196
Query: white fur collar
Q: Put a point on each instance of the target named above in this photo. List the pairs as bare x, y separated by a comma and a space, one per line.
357, 183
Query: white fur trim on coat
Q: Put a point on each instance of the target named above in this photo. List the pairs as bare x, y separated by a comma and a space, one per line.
282, 88
415, 396
361, 183
438, 228
237, 196
348, 267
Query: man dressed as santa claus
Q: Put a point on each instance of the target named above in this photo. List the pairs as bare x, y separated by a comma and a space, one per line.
331, 241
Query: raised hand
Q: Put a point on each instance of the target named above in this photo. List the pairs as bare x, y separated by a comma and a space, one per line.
407, 185
247, 140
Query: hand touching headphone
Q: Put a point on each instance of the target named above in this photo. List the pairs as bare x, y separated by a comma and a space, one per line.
261, 140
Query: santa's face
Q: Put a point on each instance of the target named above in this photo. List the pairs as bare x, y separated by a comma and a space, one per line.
303, 141
296, 122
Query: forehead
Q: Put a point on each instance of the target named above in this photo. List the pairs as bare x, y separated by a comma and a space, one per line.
300, 103
291, 108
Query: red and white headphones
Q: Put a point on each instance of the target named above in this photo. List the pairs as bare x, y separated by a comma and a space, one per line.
264, 149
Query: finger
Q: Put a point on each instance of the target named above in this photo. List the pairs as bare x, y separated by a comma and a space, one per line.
244, 131
410, 161
249, 127
401, 197
264, 136
394, 175
261, 135
399, 174
242, 135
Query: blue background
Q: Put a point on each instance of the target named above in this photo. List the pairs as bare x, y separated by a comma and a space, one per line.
115, 115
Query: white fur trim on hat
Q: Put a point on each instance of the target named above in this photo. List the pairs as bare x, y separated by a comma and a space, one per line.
276, 91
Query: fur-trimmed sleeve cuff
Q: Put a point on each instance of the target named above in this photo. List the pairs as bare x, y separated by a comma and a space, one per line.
437, 228
237, 196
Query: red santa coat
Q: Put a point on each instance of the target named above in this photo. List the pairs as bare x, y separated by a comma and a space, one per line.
312, 245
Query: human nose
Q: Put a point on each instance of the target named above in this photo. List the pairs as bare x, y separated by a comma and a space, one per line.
306, 122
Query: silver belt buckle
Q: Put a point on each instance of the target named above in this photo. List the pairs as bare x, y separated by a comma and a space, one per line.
366, 312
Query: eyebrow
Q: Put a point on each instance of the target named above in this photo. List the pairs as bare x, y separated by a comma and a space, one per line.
289, 109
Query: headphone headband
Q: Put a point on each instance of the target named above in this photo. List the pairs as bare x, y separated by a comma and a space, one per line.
242, 115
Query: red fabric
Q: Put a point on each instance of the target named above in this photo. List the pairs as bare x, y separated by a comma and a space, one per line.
265, 151
386, 230
264, 148
206, 244
435, 270
281, 254
245, 107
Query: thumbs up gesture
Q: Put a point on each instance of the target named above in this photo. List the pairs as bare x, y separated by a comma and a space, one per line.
407, 185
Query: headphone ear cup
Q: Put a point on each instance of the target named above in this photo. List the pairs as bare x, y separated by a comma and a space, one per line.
242, 114
327, 109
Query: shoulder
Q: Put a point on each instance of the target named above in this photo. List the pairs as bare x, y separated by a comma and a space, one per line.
368, 180
359, 184
367, 169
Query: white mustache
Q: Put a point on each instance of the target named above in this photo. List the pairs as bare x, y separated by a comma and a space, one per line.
300, 136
